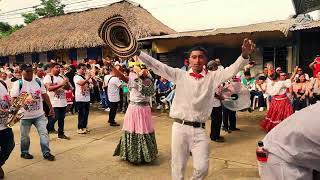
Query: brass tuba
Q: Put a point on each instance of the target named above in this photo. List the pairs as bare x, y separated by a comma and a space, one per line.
14, 114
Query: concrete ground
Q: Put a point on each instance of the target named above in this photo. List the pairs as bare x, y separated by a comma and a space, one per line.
89, 156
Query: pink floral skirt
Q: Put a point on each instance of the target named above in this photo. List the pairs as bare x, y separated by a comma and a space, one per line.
138, 120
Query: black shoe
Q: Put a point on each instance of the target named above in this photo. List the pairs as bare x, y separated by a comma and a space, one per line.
48, 156
53, 132
114, 124
63, 137
219, 140
1, 173
26, 156
226, 130
250, 110
235, 129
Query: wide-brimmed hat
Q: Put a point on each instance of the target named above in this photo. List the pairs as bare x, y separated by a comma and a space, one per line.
116, 34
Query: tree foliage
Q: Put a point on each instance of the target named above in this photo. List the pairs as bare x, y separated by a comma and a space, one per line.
6, 29
48, 8
30, 17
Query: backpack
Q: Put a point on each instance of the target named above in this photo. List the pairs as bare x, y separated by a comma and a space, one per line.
106, 87
52, 78
21, 83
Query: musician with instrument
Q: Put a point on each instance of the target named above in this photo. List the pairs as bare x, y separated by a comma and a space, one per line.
32, 110
56, 86
82, 97
6, 135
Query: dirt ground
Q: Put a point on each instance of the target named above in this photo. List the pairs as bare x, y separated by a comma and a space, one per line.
89, 156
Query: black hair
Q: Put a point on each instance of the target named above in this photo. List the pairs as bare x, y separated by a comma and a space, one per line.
52, 65
198, 48
262, 78
274, 76
80, 65
247, 73
298, 80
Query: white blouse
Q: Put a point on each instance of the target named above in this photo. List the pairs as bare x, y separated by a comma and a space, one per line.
278, 88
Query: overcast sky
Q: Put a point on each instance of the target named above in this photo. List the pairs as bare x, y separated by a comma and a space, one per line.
181, 15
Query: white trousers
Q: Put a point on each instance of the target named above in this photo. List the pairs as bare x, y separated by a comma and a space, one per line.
277, 169
186, 139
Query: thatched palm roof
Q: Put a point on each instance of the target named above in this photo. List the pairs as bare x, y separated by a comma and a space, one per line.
79, 29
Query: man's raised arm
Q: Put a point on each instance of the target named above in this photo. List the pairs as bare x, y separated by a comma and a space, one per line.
227, 73
159, 68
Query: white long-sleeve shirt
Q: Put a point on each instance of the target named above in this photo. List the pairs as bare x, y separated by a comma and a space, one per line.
193, 100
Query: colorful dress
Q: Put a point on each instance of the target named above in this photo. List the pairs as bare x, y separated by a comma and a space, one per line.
280, 106
138, 143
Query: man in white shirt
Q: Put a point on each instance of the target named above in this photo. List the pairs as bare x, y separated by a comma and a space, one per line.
190, 114
105, 90
56, 86
6, 135
82, 97
113, 85
33, 112
293, 147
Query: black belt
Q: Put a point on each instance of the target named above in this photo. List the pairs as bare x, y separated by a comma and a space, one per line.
193, 124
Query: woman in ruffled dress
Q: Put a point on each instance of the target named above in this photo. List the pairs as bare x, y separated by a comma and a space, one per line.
137, 143
280, 106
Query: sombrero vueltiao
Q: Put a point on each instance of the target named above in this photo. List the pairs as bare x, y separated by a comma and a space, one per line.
117, 35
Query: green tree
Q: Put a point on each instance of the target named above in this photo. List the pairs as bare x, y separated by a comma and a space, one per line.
29, 17
49, 8
6, 29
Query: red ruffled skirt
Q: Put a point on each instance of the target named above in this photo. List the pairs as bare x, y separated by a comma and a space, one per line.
280, 109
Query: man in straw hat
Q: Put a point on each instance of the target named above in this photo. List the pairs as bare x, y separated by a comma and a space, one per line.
190, 114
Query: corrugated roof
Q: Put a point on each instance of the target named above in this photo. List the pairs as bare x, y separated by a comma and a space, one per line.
305, 25
282, 26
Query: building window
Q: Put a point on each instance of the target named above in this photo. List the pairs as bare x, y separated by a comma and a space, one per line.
277, 56
51, 55
20, 58
35, 58
4, 60
94, 53
73, 55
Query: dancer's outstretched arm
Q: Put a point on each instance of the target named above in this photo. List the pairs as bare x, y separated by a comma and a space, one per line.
158, 67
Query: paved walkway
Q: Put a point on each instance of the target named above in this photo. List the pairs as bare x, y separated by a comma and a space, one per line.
89, 156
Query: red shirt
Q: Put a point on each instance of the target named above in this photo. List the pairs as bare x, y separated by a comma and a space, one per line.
316, 67
69, 95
